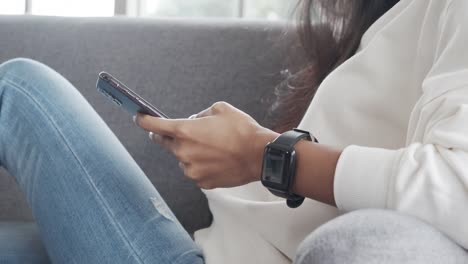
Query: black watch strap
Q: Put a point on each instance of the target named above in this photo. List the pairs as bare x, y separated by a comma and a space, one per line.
292, 200
290, 139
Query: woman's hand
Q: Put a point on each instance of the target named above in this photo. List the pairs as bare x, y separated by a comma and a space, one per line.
219, 147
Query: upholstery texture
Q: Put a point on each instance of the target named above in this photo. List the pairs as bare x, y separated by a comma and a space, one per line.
181, 66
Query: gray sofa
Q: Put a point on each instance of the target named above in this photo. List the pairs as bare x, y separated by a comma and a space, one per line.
182, 66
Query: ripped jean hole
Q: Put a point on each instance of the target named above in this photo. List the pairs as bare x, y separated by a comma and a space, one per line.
163, 209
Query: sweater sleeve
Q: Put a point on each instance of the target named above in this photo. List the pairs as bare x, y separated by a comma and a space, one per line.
429, 177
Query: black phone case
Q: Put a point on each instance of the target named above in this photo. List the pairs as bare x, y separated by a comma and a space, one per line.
123, 96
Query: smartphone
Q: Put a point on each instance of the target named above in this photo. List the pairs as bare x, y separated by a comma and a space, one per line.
124, 97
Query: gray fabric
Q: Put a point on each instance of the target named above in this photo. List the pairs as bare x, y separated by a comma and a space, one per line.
181, 66
378, 236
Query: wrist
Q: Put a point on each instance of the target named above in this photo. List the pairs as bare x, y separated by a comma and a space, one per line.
315, 171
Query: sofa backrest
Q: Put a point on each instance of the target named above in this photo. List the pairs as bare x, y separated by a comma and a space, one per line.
181, 66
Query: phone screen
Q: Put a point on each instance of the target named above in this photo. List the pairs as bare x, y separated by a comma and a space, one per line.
123, 96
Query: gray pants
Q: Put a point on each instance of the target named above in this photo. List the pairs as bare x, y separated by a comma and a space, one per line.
378, 236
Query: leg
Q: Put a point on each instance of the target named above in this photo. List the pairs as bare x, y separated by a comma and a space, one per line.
378, 236
21, 243
91, 201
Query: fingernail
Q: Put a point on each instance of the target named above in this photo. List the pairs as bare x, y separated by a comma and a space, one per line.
135, 119
156, 138
151, 135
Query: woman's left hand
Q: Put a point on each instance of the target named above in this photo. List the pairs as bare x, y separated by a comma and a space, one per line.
219, 147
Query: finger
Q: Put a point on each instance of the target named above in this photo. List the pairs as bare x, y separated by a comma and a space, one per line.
216, 108
182, 166
164, 141
161, 126
186, 168
220, 107
206, 185
205, 113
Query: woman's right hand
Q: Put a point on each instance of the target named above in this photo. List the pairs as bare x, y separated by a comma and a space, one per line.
219, 147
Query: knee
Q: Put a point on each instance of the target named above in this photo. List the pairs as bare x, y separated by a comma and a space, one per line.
22, 69
18, 65
322, 245
352, 235
30, 78
378, 236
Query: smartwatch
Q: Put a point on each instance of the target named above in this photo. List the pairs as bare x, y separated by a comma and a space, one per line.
279, 165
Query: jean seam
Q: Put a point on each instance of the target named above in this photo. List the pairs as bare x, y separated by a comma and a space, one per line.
5, 79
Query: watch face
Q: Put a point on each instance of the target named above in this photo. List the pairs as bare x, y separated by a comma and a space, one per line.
274, 165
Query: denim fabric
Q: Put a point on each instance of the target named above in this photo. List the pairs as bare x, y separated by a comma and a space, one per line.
91, 201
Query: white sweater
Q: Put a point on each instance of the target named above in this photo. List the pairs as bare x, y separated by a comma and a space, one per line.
399, 109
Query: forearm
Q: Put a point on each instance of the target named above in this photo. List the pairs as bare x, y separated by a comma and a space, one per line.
316, 164
315, 171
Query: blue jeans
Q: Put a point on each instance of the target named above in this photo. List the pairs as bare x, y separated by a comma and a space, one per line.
90, 200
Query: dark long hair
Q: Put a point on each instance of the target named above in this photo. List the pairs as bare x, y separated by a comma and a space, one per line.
329, 33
